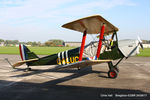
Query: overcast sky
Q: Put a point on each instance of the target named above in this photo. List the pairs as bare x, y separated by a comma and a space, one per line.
41, 20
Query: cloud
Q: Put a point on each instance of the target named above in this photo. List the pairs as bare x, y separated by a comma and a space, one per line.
22, 16
31, 9
10, 2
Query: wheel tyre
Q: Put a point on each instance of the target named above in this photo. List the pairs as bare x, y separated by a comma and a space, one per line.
112, 74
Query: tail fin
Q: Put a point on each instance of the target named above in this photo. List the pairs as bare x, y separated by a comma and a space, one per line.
25, 53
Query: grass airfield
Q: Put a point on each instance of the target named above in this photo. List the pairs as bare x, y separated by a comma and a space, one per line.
37, 50
53, 50
44, 83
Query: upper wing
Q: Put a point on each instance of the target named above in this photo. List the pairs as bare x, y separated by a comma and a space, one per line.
84, 63
92, 25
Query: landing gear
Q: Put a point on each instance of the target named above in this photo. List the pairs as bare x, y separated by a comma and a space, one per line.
112, 74
113, 71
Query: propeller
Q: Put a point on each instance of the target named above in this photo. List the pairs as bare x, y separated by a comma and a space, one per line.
140, 42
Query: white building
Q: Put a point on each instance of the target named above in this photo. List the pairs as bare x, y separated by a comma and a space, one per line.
146, 45
73, 44
2, 44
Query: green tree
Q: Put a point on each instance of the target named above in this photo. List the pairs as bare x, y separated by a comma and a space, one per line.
57, 42
1, 40
49, 43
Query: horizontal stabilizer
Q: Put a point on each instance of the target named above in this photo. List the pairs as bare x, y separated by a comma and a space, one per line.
22, 62
84, 63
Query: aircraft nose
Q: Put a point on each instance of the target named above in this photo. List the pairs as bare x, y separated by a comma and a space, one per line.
129, 47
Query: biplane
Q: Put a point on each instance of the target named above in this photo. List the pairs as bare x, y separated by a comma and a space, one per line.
96, 52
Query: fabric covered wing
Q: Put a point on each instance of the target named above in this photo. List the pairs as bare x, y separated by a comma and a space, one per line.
91, 24
84, 63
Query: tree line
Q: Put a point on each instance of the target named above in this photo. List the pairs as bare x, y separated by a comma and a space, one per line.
49, 43
146, 41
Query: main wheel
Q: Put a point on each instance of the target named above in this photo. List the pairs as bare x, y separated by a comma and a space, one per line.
112, 74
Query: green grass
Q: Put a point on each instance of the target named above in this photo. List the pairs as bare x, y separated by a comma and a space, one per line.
144, 53
36, 50
53, 50
9, 50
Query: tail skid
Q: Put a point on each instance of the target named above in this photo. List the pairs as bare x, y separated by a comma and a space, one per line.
9, 62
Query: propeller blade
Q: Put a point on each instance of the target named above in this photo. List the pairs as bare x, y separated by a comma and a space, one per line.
140, 42
141, 45
132, 52
139, 39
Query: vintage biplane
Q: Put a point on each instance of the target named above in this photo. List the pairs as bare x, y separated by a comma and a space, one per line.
103, 51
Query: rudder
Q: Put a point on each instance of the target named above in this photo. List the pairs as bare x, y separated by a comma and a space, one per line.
25, 53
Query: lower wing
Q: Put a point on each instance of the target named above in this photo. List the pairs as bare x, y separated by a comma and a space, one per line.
84, 63
80, 64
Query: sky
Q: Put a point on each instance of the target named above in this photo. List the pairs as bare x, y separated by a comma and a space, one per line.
41, 20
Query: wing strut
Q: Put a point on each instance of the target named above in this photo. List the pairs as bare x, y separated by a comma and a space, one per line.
100, 41
82, 45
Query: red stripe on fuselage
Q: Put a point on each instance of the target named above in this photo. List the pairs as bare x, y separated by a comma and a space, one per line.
20, 51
